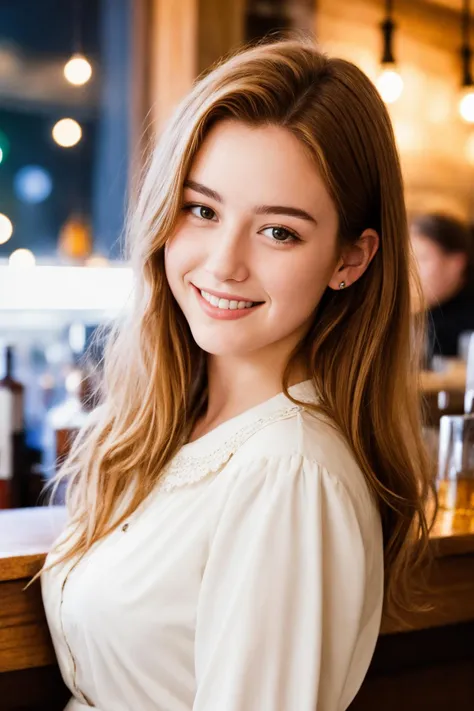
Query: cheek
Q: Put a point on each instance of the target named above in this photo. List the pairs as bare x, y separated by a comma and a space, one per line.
178, 260
299, 283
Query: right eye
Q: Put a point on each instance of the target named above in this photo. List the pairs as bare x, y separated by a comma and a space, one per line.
200, 211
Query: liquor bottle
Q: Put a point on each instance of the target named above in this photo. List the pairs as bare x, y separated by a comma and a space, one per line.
12, 436
64, 421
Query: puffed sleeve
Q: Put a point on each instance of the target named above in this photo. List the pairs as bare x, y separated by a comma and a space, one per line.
281, 622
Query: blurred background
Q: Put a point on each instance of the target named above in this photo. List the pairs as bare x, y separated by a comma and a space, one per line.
85, 87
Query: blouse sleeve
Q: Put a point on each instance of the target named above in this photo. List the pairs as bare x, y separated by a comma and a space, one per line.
281, 605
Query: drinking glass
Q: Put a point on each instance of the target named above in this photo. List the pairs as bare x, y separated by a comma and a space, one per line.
456, 464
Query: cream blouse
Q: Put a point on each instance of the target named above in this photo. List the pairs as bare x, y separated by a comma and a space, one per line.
250, 580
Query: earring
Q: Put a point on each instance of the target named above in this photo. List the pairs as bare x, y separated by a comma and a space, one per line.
342, 285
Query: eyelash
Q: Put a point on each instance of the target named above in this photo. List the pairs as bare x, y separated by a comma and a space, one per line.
187, 207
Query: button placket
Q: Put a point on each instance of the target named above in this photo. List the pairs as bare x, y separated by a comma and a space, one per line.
77, 692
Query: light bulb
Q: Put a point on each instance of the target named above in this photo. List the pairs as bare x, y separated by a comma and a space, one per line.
22, 259
389, 84
6, 228
78, 70
67, 132
466, 104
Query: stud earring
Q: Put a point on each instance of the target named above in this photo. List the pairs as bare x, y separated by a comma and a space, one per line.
342, 285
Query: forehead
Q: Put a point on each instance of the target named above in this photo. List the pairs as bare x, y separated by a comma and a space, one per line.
264, 164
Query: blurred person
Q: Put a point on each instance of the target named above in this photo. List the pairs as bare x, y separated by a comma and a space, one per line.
444, 253
253, 485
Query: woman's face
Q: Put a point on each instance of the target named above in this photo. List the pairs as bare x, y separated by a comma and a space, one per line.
258, 228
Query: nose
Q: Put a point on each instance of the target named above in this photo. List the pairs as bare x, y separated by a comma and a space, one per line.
227, 259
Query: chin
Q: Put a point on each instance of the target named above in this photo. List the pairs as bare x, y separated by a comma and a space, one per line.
223, 349
218, 345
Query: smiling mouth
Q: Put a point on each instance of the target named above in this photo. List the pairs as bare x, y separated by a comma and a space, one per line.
227, 304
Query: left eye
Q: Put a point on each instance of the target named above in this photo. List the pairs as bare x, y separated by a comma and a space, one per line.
201, 211
280, 235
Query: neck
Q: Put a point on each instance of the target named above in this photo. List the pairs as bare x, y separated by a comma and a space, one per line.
235, 386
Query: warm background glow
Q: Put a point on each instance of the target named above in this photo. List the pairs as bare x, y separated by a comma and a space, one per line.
432, 137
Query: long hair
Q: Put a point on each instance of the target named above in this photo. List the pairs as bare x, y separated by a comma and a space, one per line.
360, 349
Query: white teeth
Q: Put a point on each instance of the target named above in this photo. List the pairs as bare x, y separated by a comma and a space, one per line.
225, 303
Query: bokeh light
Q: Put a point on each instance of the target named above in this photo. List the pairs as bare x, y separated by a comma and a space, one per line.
78, 70
22, 259
67, 132
466, 105
390, 85
33, 184
73, 381
6, 228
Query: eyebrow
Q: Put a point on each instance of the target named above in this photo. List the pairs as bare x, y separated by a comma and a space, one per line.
199, 188
259, 210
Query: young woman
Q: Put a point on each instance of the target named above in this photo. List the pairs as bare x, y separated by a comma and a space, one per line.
254, 479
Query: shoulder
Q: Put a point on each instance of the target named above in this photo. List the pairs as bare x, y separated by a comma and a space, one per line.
307, 435
303, 458
308, 450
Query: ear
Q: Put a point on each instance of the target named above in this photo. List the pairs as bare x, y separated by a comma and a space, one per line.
354, 260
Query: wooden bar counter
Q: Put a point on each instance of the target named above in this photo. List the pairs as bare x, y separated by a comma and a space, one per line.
428, 666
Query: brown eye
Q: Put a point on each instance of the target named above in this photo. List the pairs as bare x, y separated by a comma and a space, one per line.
206, 213
201, 211
280, 235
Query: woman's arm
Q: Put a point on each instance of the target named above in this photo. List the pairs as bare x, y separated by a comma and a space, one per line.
282, 619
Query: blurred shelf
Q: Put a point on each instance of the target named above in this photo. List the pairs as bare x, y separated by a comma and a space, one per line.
453, 378
47, 296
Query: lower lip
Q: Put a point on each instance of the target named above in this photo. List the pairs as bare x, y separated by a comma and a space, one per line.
223, 314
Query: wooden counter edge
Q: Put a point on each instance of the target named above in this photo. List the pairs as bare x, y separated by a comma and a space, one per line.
452, 551
21, 566
27, 565
457, 544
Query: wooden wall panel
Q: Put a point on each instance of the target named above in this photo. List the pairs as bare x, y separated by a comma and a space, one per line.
186, 37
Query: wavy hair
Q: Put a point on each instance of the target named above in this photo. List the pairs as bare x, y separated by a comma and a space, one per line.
360, 349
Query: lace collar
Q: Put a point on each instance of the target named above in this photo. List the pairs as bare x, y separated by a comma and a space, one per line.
208, 454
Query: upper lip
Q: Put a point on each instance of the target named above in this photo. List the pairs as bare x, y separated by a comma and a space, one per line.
224, 295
